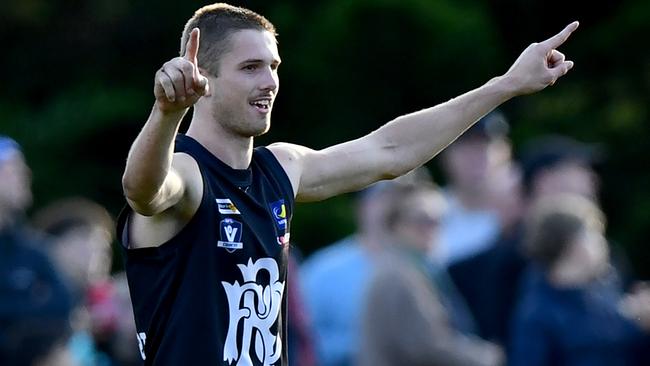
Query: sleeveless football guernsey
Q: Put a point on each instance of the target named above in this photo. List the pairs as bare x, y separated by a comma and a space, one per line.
215, 294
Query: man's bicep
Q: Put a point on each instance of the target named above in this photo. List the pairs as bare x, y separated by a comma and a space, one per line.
177, 187
350, 166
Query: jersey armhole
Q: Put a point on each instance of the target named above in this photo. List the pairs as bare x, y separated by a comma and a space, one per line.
278, 173
126, 212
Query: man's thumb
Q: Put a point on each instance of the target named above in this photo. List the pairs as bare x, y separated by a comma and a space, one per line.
202, 85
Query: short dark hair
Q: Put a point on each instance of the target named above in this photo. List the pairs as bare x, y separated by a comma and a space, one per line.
73, 212
550, 151
554, 222
400, 195
492, 126
217, 22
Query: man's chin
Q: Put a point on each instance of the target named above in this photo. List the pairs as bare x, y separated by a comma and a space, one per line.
263, 127
262, 132
257, 129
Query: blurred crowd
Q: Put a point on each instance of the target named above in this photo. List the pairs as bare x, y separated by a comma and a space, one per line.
507, 264
59, 303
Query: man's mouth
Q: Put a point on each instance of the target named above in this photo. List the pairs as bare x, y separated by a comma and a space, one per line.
263, 105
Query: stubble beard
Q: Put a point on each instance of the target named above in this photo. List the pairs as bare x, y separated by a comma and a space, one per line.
239, 122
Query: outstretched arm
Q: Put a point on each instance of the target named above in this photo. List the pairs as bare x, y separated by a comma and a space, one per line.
153, 180
413, 139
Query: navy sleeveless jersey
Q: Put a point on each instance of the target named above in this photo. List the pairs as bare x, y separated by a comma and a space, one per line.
215, 294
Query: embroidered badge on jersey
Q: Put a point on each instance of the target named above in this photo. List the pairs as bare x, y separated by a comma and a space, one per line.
283, 239
230, 232
226, 207
279, 214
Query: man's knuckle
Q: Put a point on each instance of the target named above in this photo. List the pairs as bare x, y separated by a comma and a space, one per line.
187, 67
167, 84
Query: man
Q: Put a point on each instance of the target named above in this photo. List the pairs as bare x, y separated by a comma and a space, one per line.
555, 164
342, 271
412, 313
207, 241
469, 164
81, 232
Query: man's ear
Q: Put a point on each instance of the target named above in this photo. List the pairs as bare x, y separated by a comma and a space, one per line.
210, 78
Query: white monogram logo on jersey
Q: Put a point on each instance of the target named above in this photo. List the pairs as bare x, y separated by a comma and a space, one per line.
259, 311
142, 339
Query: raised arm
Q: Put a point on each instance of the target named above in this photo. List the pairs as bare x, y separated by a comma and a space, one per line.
154, 179
413, 139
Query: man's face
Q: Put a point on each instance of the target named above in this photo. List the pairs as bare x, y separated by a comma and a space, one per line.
15, 184
469, 161
83, 254
568, 177
243, 93
419, 221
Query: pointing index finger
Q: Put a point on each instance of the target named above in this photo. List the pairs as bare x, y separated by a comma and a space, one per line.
192, 47
557, 40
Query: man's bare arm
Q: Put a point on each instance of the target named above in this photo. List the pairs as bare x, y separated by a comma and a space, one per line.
413, 139
151, 182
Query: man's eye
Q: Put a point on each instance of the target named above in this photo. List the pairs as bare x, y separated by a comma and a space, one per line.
250, 67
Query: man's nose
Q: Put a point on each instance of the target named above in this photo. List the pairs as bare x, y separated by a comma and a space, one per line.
270, 80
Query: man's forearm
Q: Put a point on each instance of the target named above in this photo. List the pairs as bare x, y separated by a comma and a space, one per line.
416, 138
150, 157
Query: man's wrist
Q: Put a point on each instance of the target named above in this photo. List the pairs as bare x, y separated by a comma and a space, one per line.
506, 86
166, 115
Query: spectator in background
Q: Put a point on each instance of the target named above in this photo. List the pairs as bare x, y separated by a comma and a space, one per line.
34, 303
572, 310
124, 350
81, 235
335, 278
412, 315
489, 279
559, 164
468, 163
299, 330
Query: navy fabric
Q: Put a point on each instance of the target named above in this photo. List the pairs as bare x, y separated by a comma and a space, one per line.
576, 327
215, 294
488, 281
35, 304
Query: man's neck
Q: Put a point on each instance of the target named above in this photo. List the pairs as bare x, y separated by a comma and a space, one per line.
234, 150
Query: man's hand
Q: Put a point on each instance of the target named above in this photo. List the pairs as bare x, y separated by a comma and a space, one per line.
179, 84
540, 65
